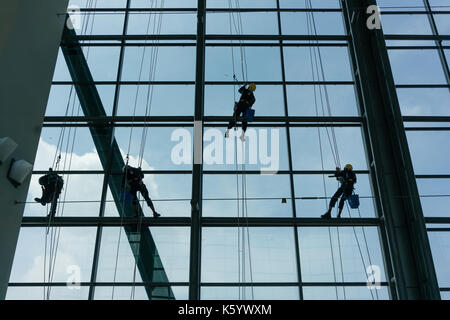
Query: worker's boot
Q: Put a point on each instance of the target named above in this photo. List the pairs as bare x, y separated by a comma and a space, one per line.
327, 215
242, 136
40, 201
156, 214
227, 133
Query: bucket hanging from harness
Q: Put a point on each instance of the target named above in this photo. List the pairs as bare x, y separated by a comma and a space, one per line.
353, 201
249, 115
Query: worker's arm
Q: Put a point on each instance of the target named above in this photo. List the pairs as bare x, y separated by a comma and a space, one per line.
241, 89
252, 100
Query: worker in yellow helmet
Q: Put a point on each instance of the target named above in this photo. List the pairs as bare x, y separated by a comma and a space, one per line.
347, 178
245, 102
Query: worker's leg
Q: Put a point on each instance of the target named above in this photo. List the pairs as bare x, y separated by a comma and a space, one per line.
333, 201
42, 196
232, 122
335, 198
341, 205
145, 194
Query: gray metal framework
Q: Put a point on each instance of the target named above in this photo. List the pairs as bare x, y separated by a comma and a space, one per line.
408, 262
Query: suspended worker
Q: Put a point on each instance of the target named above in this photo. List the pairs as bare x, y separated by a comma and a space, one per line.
132, 183
347, 178
51, 185
245, 102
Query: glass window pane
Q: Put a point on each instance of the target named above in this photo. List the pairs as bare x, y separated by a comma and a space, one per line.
264, 194
249, 293
440, 247
427, 152
172, 63
74, 248
272, 254
56, 293
336, 63
344, 293
156, 100
434, 197
78, 151
328, 23
306, 148
301, 100
165, 148
424, 102
219, 64
333, 254
117, 263
416, 67
243, 23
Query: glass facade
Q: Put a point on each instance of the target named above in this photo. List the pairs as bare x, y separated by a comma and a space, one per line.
259, 233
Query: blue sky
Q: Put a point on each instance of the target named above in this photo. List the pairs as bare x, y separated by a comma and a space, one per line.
273, 249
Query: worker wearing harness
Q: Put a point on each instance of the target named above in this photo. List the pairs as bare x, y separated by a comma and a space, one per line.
132, 182
51, 185
246, 101
347, 178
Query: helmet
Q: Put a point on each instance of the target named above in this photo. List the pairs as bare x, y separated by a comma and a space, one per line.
252, 86
349, 167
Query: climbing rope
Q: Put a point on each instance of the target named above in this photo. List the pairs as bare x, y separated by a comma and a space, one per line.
157, 23
52, 244
235, 20
319, 70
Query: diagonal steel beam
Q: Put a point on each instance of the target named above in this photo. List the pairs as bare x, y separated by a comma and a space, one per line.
141, 241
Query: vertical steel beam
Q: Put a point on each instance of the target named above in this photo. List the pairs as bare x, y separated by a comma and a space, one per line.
441, 51
289, 149
197, 172
391, 166
146, 254
108, 169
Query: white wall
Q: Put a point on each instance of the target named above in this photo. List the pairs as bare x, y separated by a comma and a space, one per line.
30, 32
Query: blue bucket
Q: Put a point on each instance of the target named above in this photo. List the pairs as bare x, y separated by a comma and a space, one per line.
249, 115
353, 201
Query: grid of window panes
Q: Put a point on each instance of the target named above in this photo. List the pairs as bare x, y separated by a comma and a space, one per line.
281, 257
420, 69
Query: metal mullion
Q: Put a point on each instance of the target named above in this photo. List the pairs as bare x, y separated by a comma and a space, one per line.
370, 160
289, 150
210, 10
222, 44
229, 222
110, 156
282, 119
228, 83
441, 51
225, 37
197, 168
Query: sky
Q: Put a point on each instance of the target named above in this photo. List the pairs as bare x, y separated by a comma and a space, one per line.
272, 249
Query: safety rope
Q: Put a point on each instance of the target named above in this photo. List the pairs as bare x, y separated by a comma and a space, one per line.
236, 22
152, 73
320, 148
332, 140
51, 246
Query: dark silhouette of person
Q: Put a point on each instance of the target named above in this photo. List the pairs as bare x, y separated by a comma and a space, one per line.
51, 185
246, 101
347, 178
132, 182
